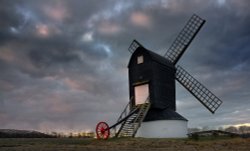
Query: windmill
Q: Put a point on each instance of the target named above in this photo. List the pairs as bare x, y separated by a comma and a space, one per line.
151, 111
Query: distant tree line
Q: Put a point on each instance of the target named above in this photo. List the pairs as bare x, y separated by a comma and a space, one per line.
232, 129
24, 135
11, 133
73, 135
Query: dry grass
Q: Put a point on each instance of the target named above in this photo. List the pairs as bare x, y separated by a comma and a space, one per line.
123, 144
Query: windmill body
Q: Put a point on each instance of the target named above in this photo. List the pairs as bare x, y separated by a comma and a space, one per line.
153, 76
148, 69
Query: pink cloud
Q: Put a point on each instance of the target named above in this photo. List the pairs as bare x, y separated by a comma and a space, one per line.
7, 55
4, 85
44, 30
78, 84
109, 28
57, 104
10, 56
57, 12
72, 84
140, 19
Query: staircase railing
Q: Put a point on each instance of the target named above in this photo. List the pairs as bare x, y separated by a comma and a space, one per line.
141, 115
141, 111
123, 114
136, 122
126, 110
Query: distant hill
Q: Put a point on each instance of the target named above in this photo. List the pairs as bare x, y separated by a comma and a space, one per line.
11, 133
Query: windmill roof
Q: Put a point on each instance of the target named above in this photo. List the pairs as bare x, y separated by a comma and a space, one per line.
154, 56
165, 114
158, 58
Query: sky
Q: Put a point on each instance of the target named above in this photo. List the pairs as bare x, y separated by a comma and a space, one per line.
64, 63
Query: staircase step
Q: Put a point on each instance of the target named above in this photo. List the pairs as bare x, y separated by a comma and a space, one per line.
131, 125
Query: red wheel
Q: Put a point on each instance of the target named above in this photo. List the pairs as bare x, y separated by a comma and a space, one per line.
102, 130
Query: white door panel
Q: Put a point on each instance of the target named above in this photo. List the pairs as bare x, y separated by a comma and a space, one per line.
141, 93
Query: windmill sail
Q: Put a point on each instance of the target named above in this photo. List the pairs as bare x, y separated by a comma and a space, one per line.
207, 98
134, 45
184, 38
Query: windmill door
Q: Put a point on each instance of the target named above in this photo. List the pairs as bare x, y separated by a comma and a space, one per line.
141, 93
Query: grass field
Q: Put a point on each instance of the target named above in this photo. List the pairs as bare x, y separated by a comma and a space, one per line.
123, 144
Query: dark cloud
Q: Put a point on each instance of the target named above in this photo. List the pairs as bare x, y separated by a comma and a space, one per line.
64, 63
44, 57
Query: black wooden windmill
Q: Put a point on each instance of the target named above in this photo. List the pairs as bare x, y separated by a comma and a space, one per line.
152, 86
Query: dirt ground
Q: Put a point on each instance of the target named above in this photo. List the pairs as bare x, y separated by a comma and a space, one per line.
123, 144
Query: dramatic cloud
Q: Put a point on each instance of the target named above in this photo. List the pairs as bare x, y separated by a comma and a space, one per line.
64, 63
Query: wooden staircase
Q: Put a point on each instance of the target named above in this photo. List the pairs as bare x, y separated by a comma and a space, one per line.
130, 126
